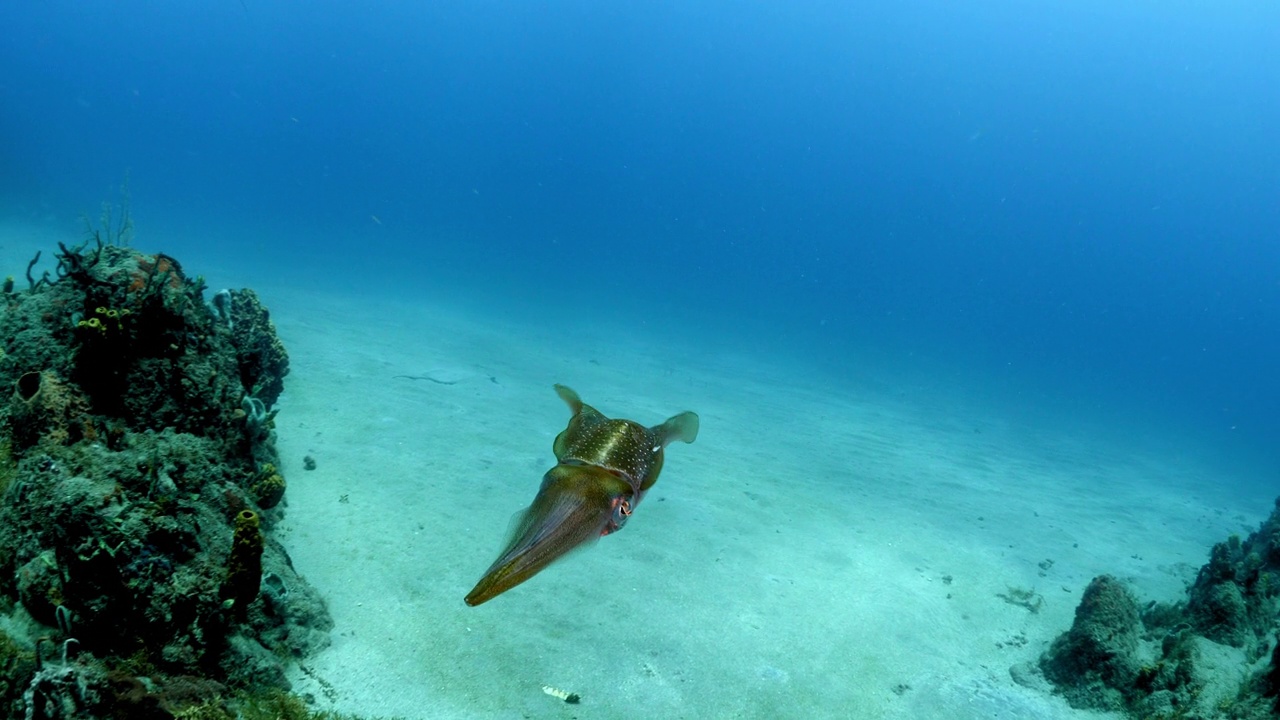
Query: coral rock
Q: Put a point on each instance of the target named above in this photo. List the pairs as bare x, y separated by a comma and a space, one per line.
1093, 662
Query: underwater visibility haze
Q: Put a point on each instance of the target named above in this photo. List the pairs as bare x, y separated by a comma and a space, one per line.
1078, 195
834, 229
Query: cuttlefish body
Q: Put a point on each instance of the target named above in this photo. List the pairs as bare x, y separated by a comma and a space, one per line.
605, 468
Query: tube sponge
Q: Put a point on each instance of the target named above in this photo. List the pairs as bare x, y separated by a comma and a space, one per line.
244, 566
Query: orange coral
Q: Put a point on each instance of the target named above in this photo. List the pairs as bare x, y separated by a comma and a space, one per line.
149, 265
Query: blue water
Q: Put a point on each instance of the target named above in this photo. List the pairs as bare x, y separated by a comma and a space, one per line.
1078, 198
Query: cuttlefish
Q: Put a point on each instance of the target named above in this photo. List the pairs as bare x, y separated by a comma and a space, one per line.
604, 469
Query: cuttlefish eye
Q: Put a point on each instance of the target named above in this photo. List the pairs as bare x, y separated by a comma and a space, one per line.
621, 511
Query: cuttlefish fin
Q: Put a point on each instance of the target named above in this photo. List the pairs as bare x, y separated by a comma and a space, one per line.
584, 416
682, 427
570, 397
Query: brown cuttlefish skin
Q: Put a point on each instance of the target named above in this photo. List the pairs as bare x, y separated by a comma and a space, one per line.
605, 468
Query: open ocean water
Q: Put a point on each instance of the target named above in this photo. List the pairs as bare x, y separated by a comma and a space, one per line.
1062, 214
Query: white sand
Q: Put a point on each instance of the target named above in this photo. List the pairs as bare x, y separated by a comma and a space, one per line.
823, 543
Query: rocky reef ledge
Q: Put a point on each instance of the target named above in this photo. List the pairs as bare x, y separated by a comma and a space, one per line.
139, 487
1213, 655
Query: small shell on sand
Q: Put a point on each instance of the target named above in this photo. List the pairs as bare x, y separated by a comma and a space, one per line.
571, 698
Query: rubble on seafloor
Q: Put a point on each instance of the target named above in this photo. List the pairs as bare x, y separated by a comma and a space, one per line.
1214, 655
139, 487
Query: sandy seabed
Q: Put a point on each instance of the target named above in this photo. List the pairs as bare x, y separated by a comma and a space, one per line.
818, 552
852, 548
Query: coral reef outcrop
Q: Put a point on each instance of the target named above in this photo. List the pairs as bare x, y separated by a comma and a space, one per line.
1213, 655
139, 575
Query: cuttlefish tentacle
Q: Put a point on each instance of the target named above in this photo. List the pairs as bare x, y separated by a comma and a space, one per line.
604, 469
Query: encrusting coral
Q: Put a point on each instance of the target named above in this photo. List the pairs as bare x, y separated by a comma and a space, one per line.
269, 487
